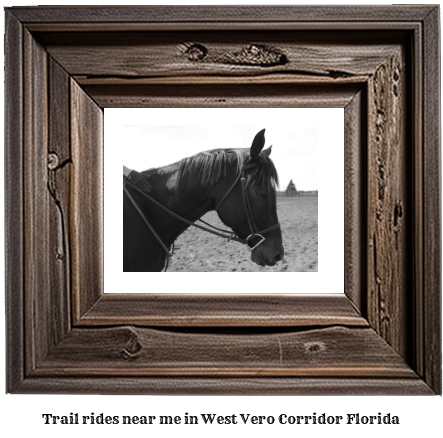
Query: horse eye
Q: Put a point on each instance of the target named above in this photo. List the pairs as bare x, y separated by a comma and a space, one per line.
262, 193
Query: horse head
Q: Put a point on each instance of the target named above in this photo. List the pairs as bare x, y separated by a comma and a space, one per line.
249, 206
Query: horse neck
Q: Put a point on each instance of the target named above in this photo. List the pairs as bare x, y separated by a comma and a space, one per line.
189, 204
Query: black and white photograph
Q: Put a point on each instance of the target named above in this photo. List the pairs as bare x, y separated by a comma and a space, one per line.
238, 193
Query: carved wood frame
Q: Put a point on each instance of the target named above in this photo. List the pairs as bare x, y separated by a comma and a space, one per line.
63, 65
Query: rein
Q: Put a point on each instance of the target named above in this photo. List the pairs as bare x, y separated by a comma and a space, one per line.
226, 234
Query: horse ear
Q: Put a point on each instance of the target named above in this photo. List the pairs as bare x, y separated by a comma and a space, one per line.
267, 151
257, 145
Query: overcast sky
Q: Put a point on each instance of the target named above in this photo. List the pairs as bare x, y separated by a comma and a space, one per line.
157, 137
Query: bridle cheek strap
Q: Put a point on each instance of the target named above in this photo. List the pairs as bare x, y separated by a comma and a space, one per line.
255, 232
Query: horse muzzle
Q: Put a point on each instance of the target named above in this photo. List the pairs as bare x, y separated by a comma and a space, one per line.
267, 256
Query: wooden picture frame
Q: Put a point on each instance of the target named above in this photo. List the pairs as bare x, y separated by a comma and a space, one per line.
64, 65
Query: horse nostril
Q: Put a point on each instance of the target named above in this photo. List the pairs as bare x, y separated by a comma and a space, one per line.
279, 257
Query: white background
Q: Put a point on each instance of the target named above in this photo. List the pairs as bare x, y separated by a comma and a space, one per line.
20, 415
307, 146
143, 138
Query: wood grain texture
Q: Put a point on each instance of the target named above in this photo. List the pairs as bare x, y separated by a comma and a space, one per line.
387, 203
74, 61
129, 351
239, 310
288, 386
432, 334
355, 190
38, 309
170, 57
159, 54
419, 236
226, 14
58, 175
14, 238
226, 96
86, 199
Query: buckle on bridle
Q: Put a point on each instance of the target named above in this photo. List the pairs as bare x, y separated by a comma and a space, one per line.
251, 236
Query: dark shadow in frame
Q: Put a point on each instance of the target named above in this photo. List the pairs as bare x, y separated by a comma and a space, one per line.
64, 65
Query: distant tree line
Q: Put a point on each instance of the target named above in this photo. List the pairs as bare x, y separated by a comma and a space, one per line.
291, 191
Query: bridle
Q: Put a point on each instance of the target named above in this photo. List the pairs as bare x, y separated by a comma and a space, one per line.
254, 231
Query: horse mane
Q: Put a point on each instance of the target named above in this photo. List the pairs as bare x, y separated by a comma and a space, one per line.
206, 169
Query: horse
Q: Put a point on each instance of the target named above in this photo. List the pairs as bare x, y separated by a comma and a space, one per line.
239, 184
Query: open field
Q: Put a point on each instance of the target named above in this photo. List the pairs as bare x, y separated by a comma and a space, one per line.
198, 251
